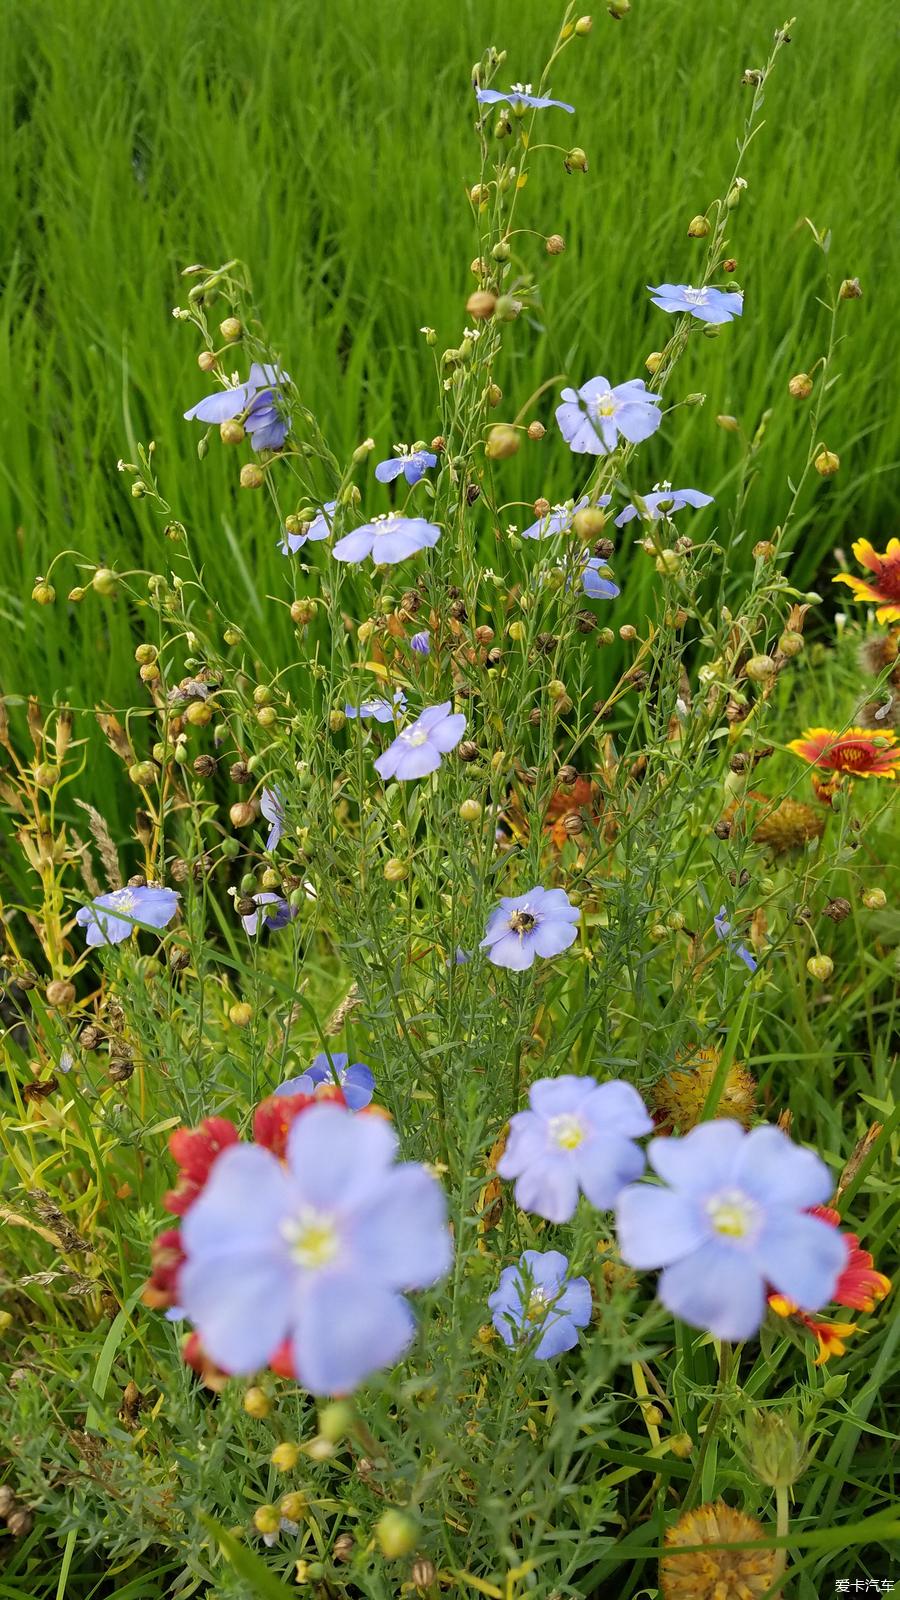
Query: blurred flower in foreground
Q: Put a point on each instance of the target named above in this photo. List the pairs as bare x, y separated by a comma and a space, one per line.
316, 1250
254, 403
260, 921
418, 749
272, 807
319, 528
663, 501
594, 417
519, 95
536, 1297
560, 518
679, 1096
859, 1286
112, 917
539, 923
356, 1080
412, 463
861, 752
883, 588
713, 1573
733, 1221
379, 709
387, 539
577, 1138
724, 932
707, 305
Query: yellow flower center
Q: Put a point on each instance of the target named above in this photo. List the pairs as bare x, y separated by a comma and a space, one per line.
124, 900
605, 405
415, 737
538, 1305
313, 1238
731, 1213
567, 1131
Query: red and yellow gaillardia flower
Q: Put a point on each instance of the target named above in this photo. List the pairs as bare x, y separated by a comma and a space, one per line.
883, 588
859, 1287
861, 752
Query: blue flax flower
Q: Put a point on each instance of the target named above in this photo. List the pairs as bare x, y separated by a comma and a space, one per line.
731, 1223
260, 921
707, 305
111, 917
418, 749
536, 1297
519, 95
725, 933
539, 923
356, 1079
317, 1250
257, 403
379, 709
272, 807
387, 539
319, 528
663, 501
559, 518
412, 463
595, 583
421, 643
593, 418
577, 1138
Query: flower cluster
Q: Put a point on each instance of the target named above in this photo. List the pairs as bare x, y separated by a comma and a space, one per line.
297, 1250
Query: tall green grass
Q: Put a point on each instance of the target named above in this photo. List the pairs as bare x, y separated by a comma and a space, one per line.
325, 146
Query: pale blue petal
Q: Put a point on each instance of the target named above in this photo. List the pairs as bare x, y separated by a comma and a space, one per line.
716, 1288
337, 1158
703, 1159
346, 1329
775, 1170
604, 1165
801, 1256
549, 1188
239, 1304
402, 1240
656, 1226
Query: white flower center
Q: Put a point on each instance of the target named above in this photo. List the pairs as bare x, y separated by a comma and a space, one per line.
124, 900
521, 88
604, 405
696, 297
732, 1213
567, 1131
312, 1237
415, 737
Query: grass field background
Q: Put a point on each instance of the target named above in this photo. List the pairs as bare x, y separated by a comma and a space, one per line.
329, 147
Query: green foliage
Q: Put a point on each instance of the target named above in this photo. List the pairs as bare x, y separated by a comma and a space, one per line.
645, 769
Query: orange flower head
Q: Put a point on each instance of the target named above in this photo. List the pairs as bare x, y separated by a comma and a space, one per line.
830, 1336
883, 588
712, 1573
861, 752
